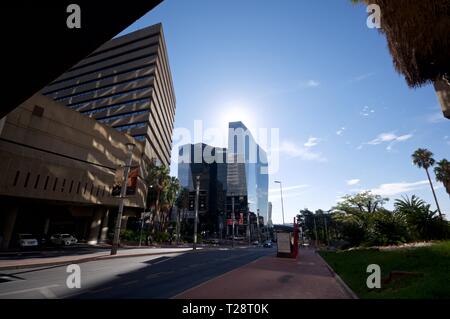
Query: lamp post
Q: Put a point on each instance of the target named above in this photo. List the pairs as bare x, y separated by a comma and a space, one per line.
232, 219
257, 225
282, 204
123, 193
197, 196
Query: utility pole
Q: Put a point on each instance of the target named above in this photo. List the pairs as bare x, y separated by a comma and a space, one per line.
232, 219
197, 196
326, 229
123, 193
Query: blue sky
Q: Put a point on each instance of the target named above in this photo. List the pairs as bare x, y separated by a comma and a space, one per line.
314, 70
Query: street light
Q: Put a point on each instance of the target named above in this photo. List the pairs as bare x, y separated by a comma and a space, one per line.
123, 193
197, 196
282, 205
232, 219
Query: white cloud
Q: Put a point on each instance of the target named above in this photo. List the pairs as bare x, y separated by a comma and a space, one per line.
340, 131
312, 141
287, 189
366, 111
312, 83
292, 150
399, 188
390, 138
276, 197
361, 77
436, 117
353, 181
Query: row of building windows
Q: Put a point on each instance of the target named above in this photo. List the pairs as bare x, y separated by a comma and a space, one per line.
60, 185
103, 99
126, 127
136, 69
121, 116
112, 107
139, 138
103, 88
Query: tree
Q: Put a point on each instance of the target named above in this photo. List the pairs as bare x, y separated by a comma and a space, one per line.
423, 158
418, 40
157, 180
422, 222
442, 172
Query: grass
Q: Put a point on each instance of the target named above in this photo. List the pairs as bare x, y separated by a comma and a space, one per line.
432, 261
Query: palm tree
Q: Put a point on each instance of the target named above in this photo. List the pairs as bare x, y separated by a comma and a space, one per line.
423, 158
442, 171
417, 214
417, 37
157, 180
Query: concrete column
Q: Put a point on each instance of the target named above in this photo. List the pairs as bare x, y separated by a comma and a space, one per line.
104, 230
94, 230
9, 220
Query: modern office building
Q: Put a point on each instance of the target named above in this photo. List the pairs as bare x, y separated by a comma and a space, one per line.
60, 150
213, 182
127, 84
247, 176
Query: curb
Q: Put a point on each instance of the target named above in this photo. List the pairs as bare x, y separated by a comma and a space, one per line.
341, 282
84, 260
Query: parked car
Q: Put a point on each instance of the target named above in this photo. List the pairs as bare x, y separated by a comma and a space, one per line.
268, 244
27, 240
63, 239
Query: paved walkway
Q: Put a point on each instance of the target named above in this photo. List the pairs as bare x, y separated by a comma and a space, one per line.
49, 261
307, 277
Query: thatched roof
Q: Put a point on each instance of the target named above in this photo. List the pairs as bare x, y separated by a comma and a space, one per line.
418, 36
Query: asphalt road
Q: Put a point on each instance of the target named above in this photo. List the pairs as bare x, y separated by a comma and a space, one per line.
158, 276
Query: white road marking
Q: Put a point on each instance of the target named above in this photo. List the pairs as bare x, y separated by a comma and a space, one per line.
27, 290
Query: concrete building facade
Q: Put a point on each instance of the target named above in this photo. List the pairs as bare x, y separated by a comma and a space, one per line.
61, 149
126, 84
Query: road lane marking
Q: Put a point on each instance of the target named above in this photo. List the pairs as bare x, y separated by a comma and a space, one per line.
27, 290
47, 293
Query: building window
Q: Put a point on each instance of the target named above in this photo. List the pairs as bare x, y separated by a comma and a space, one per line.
36, 183
16, 178
26, 180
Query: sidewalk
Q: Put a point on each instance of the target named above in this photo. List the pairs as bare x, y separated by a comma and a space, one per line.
307, 277
61, 260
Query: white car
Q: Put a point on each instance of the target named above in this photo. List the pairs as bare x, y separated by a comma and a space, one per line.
27, 240
63, 239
